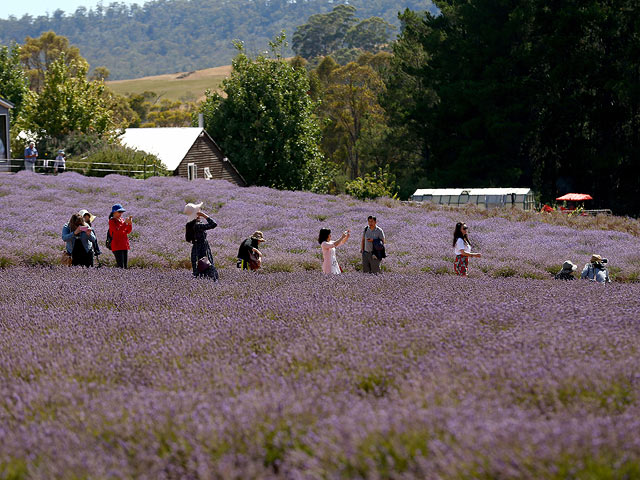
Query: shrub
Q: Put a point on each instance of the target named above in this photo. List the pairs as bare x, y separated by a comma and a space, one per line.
379, 184
118, 159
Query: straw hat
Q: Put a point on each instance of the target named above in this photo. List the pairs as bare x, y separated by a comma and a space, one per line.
596, 258
191, 210
84, 212
257, 235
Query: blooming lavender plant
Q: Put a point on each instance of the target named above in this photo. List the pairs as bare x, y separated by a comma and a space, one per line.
418, 236
150, 373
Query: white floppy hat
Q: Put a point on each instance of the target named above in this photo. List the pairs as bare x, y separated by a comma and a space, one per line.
84, 212
191, 210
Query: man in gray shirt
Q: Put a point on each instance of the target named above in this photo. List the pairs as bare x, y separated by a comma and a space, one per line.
370, 262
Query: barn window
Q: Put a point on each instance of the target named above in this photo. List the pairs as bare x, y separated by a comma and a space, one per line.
192, 171
207, 173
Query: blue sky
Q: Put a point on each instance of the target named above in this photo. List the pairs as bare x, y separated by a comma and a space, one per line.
41, 7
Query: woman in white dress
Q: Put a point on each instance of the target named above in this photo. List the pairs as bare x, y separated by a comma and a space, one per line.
329, 260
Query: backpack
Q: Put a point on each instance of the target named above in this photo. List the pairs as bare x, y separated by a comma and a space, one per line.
107, 242
189, 232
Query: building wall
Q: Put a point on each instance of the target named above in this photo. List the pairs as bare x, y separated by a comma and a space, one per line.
204, 153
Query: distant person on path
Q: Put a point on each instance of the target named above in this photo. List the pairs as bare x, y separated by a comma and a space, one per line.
60, 163
88, 220
30, 157
249, 257
196, 233
80, 239
462, 249
566, 273
596, 270
330, 262
119, 230
372, 246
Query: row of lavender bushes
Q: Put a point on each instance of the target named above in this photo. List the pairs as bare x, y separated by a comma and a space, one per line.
152, 374
513, 242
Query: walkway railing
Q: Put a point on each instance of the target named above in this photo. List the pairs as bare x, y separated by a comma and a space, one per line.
46, 166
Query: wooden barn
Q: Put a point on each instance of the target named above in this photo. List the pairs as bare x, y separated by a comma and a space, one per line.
186, 151
5, 125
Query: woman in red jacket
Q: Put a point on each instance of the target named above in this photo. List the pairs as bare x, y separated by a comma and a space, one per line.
119, 229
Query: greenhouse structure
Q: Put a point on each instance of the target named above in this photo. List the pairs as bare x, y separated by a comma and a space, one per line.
523, 198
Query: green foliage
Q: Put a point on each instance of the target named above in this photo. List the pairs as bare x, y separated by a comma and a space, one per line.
492, 93
265, 122
38, 54
13, 82
110, 158
354, 122
182, 35
379, 184
67, 103
339, 30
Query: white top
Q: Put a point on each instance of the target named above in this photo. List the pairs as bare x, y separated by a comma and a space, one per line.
461, 246
329, 260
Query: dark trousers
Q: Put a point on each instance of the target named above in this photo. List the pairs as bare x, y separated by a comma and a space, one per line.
122, 258
80, 257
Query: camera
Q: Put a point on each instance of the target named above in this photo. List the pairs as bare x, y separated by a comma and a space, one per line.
604, 260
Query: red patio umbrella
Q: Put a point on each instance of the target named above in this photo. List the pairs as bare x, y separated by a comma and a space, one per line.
574, 197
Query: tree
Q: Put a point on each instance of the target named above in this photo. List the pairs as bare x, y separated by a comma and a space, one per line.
13, 82
339, 34
350, 104
265, 121
324, 32
37, 55
100, 73
68, 103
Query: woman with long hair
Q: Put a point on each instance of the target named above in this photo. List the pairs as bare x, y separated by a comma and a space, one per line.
79, 239
462, 249
329, 260
196, 233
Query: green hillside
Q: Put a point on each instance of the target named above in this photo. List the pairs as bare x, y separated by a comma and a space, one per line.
186, 86
183, 35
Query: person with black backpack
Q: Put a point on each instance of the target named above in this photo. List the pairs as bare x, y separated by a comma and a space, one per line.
196, 234
118, 235
372, 247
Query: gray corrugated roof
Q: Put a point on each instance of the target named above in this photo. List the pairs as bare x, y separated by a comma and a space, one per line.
472, 191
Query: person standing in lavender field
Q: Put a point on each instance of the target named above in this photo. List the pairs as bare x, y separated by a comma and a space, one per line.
372, 246
30, 157
196, 234
249, 257
330, 262
119, 230
462, 249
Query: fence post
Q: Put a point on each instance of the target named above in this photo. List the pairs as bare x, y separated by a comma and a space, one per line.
154, 169
144, 170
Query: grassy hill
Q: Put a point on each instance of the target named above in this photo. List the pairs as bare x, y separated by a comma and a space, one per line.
184, 86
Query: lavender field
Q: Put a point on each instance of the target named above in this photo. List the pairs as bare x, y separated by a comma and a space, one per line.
417, 373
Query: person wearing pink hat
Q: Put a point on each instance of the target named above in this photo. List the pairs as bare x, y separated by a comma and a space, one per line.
196, 234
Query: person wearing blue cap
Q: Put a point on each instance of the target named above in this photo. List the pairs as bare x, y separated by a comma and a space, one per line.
119, 230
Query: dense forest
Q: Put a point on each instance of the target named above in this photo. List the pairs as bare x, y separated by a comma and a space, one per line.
165, 36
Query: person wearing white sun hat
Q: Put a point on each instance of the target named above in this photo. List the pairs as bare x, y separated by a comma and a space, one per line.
196, 234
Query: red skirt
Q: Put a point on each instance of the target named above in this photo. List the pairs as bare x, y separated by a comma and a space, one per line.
461, 265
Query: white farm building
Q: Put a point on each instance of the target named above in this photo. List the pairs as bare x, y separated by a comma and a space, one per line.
485, 197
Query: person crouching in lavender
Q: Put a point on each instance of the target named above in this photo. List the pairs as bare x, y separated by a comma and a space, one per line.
196, 234
462, 249
330, 262
79, 239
